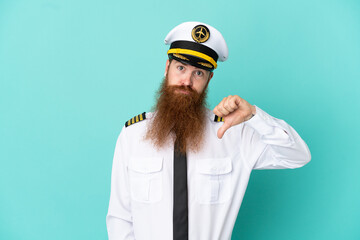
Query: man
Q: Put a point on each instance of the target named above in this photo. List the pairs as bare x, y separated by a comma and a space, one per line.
181, 172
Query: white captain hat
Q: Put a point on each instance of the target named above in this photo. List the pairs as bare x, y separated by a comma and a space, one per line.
198, 44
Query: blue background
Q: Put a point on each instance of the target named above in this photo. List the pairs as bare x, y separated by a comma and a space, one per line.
72, 72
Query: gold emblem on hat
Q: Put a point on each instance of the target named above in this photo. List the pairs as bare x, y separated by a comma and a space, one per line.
180, 56
208, 65
200, 33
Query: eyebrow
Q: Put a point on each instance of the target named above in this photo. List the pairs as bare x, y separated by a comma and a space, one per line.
186, 64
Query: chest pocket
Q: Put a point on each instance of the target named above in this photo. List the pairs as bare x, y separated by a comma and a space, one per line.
213, 180
145, 175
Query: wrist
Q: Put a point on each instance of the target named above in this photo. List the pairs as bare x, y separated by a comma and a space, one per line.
253, 112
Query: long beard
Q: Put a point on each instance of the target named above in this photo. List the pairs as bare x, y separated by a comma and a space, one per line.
178, 117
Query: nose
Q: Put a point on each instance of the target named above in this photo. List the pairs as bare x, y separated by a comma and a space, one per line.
187, 80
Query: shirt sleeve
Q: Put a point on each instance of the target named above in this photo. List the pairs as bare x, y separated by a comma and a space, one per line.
271, 143
119, 217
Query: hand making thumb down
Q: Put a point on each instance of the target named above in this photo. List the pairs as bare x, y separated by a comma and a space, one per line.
234, 110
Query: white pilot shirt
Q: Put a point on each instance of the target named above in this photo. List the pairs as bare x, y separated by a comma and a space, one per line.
141, 199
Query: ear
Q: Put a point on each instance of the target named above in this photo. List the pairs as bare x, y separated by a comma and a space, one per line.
166, 67
210, 76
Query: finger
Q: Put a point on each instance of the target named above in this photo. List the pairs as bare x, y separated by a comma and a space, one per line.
222, 110
237, 100
216, 112
226, 104
223, 129
216, 109
230, 104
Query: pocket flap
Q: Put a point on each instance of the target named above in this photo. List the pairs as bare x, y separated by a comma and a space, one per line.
214, 165
146, 165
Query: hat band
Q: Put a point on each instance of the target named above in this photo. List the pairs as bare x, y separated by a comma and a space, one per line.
194, 53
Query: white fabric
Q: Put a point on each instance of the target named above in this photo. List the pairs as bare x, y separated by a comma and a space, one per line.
141, 200
216, 41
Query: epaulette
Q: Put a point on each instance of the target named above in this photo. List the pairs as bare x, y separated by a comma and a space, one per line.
136, 119
218, 119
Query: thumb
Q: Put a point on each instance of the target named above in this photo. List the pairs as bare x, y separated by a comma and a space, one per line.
223, 129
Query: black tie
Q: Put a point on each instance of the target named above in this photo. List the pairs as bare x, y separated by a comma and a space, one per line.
180, 211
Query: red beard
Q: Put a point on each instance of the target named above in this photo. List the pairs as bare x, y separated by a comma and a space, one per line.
178, 116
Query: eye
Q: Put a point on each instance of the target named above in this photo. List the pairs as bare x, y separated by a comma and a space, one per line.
199, 73
180, 68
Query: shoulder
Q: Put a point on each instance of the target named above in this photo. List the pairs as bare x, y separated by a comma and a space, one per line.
138, 118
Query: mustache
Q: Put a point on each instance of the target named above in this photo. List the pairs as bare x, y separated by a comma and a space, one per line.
189, 90
182, 87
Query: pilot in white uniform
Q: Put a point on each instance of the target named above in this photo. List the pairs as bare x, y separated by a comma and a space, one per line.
145, 202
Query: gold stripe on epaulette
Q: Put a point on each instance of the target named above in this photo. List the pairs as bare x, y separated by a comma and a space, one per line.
218, 119
136, 119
